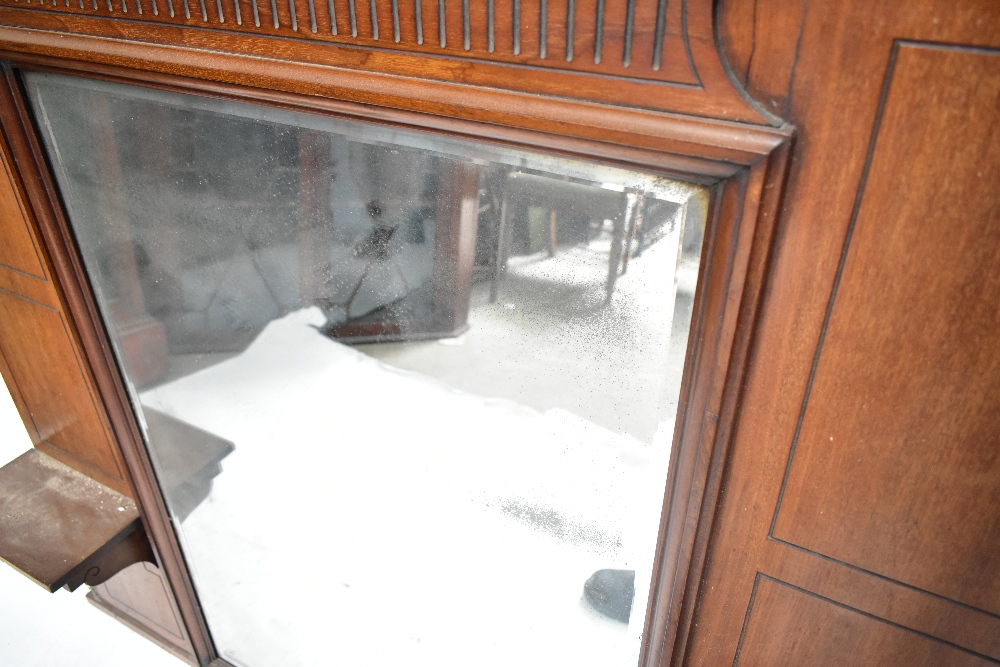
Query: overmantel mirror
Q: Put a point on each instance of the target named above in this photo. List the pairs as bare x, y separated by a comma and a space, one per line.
411, 382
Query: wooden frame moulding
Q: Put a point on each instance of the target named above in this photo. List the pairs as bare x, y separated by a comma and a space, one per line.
745, 166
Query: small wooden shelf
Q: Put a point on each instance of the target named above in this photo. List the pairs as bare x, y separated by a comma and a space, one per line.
63, 529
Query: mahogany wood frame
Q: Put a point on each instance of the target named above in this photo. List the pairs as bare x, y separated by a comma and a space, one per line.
745, 166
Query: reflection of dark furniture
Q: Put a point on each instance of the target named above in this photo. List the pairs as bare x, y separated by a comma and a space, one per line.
521, 190
442, 308
188, 459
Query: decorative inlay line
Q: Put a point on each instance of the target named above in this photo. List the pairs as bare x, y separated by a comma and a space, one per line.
312, 15
441, 32
466, 30
661, 24
516, 11
543, 28
599, 32
418, 20
374, 15
395, 20
629, 27
570, 28
489, 26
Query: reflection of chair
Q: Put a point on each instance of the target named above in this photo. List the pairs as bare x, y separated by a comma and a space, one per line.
521, 190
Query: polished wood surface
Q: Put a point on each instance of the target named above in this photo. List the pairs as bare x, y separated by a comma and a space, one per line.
879, 327
40, 357
61, 528
138, 596
861, 306
903, 414
789, 626
663, 58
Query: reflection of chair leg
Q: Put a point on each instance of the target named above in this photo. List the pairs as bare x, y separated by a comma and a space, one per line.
503, 248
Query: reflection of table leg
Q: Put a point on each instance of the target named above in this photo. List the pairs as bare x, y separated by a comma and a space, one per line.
552, 233
635, 221
317, 215
455, 245
503, 248
617, 242
143, 339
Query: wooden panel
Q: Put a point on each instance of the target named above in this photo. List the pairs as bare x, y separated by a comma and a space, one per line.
17, 247
39, 351
897, 465
835, 96
789, 626
138, 596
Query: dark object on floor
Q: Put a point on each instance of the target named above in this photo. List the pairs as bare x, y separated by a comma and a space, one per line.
610, 592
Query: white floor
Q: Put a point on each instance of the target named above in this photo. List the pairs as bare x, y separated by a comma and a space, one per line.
61, 629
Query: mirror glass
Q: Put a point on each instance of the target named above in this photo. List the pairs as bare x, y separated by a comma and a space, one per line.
410, 397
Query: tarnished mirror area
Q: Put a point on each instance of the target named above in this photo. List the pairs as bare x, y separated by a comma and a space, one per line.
410, 398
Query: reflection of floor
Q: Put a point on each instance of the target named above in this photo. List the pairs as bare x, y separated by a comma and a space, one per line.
447, 499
